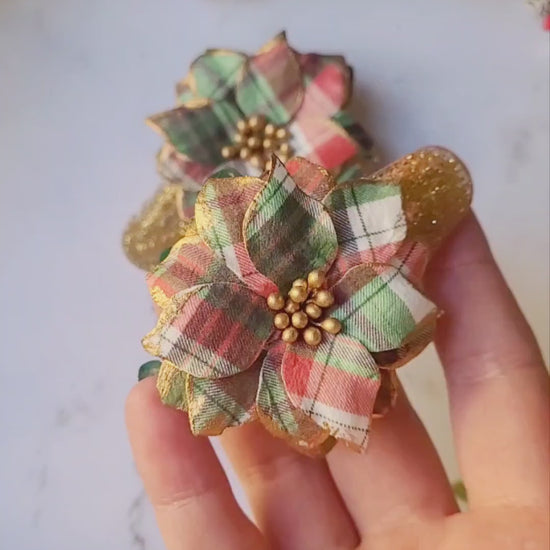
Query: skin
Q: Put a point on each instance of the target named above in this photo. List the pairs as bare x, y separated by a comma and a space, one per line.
396, 495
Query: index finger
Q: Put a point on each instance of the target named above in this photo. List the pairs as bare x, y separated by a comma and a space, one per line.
498, 386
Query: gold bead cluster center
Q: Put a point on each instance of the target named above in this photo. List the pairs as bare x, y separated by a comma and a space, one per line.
255, 141
302, 313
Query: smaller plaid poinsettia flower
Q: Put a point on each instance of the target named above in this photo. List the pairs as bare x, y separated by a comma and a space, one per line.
292, 296
235, 107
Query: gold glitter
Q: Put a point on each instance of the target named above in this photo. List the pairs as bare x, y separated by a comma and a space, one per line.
158, 226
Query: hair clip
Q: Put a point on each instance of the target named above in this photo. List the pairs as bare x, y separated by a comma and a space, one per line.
234, 111
291, 298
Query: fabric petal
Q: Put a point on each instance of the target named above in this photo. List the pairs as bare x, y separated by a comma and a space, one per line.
214, 405
313, 65
219, 212
279, 416
411, 260
212, 331
199, 130
312, 179
190, 262
379, 307
185, 92
327, 89
288, 233
175, 167
271, 83
171, 384
214, 74
437, 192
335, 384
369, 222
356, 132
321, 141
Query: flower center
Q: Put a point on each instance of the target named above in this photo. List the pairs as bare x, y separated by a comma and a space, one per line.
302, 312
256, 140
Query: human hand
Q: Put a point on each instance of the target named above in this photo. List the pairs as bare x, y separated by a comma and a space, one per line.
396, 496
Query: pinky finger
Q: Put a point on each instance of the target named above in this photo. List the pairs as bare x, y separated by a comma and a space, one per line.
184, 480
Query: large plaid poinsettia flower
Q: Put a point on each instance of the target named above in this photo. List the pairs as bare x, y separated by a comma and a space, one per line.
292, 297
238, 107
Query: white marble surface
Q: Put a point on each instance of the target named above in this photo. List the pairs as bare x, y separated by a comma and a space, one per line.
76, 80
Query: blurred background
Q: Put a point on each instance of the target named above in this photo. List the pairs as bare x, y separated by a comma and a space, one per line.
77, 79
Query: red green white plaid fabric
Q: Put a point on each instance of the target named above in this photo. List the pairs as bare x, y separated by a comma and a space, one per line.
335, 384
287, 233
220, 212
369, 221
212, 331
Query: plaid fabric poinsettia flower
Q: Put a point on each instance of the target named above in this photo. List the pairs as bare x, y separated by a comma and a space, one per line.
292, 294
238, 107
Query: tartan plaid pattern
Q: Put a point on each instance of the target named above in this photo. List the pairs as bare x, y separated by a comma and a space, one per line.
321, 141
214, 74
171, 385
174, 167
411, 260
355, 131
326, 92
369, 222
335, 384
212, 331
272, 83
378, 309
312, 179
277, 413
200, 132
189, 263
218, 404
220, 211
288, 234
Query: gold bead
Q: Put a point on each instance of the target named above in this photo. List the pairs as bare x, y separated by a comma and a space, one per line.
297, 294
300, 283
238, 139
290, 335
242, 125
267, 144
281, 133
284, 149
256, 122
253, 142
275, 301
291, 307
257, 161
323, 298
332, 325
245, 153
312, 336
299, 319
228, 152
313, 310
281, 320
316, 279
269, 130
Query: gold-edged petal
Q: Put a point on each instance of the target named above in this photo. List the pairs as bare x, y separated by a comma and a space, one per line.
271, 83
288, 233
212, 331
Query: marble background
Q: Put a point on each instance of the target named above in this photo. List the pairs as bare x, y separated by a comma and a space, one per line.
76, 81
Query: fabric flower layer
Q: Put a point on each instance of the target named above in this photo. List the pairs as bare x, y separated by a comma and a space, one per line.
291, 299
237, 110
